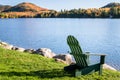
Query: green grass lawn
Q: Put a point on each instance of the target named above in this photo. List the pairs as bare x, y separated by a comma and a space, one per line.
25, 66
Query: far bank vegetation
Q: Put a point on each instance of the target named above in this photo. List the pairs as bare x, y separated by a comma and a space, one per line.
29, 10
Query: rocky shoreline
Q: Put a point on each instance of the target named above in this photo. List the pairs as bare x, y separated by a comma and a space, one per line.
64, 58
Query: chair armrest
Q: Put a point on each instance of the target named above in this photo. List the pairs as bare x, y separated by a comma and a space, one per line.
102, 56
92, 54
89, 54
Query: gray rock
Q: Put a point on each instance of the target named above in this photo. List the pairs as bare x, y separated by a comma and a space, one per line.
105, 66
6, 45
59, 60
18, 49
29, 50
45, 52
65, 57
14, 48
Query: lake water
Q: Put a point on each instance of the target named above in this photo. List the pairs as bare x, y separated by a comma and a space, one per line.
94, 35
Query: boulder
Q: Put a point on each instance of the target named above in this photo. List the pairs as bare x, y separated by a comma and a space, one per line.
59, 60
14, 48
45, 52
3, 43
6, 45
105, 66
18, 49
65, 57
29, 50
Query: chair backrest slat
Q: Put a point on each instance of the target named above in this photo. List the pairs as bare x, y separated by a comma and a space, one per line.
76, 50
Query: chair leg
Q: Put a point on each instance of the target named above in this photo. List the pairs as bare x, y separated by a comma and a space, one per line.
100, 71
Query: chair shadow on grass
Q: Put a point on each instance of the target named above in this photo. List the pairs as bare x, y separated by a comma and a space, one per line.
41, 73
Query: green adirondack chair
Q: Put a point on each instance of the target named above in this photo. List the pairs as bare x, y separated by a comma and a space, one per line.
82, 59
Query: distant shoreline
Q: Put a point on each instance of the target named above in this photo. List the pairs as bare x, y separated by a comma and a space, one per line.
54, 14
30, 10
